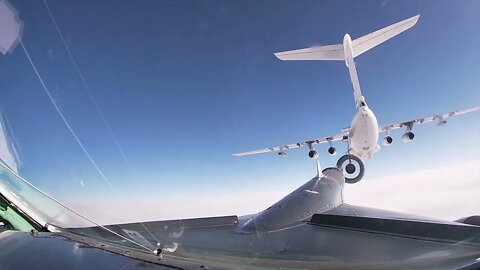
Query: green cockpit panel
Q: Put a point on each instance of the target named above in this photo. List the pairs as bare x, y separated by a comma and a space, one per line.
11, 219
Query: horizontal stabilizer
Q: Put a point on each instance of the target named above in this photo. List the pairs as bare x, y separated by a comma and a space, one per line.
365, 43
329, 52
359, 45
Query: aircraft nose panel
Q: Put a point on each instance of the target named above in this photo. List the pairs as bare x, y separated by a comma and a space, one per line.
316, 196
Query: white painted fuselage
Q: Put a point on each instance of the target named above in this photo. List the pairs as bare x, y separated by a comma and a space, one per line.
363, 133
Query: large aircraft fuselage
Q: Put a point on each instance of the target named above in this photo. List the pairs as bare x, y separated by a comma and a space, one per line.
364, 133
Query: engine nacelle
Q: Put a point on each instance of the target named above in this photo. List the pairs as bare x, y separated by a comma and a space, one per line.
282, 154
408, 136
387, 140
441, 122
332, 150
313, 154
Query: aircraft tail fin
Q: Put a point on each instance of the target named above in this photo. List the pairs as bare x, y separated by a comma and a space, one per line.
359, 45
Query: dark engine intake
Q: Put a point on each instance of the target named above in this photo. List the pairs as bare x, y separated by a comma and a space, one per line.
387, 140
408, 136
312, 154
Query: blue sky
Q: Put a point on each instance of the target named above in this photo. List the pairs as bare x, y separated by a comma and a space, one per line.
184, 84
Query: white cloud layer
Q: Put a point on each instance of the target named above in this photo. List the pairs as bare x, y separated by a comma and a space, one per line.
444, 193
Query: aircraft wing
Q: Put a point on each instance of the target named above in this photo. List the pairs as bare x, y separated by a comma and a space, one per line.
339, 137
439, 118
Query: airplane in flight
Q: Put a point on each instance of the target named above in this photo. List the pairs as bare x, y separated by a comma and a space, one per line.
362, 135
310, 228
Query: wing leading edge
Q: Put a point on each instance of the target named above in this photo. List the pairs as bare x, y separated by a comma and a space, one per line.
339, 137
440, 118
